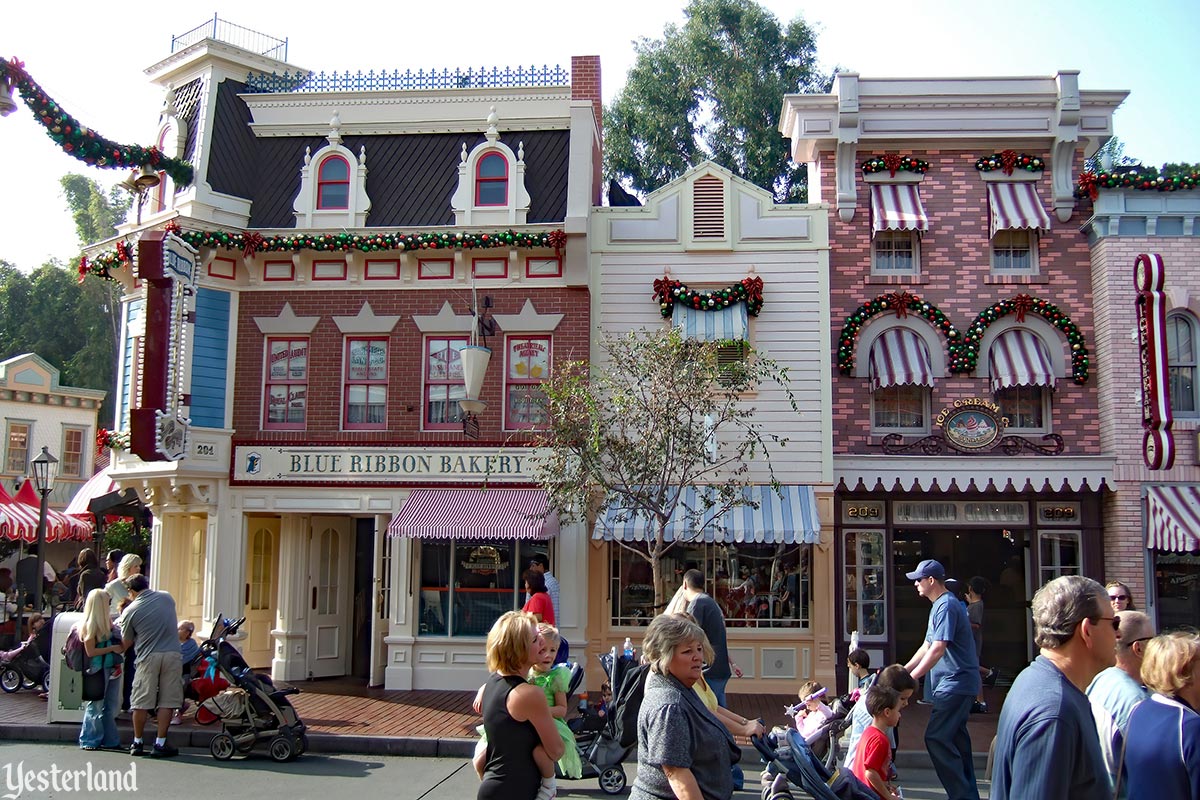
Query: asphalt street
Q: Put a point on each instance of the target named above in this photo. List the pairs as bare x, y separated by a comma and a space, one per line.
40, 770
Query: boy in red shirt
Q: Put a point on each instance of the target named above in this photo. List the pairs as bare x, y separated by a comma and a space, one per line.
873, 758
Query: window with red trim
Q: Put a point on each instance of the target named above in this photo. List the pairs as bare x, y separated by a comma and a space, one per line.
366, 383
285, 398
491, 180
527, 365
333, 184
444, 381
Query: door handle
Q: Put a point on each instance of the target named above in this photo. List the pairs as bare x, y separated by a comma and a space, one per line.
247, 600
314, 598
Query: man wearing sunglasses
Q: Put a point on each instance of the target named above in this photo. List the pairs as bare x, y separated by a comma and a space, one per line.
1046, 743
1116, 690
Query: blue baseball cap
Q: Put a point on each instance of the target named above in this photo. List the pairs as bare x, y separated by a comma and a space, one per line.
928, 569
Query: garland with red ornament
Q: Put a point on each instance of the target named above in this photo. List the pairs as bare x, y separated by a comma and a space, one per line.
893, 163
1009, 161
1090, 183
80, 141
902, 303
967, 358
104, 264
114, 440
668, 292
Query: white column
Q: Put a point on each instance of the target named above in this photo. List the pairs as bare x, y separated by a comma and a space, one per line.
225, 560
400, 640
291, 622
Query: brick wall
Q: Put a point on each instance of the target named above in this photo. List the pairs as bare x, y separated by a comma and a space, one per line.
955, 276
405, 353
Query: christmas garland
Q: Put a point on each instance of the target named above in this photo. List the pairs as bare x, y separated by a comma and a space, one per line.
253, 242
1090, 183
902, 303
669, 292
1008, 161
82, 142
1021, 305
893, 163
114, 440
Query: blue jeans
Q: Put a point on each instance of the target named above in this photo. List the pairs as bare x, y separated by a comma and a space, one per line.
100, 717
949, 745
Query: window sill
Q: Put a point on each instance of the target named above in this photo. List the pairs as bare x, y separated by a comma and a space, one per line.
909, 437
897, 280
1018, 280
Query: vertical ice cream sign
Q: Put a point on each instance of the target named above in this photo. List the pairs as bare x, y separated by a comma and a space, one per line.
166, 265
1158, 444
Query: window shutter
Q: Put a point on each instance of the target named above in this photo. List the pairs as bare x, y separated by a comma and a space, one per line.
708, 208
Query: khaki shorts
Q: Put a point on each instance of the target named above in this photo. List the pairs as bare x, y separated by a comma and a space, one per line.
157, 682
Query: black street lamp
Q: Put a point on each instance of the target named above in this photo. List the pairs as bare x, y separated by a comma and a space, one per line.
45, 470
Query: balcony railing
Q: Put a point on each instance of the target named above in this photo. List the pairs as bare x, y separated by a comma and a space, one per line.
384, 80
224, 31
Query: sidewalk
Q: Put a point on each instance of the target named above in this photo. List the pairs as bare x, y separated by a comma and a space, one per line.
343, 716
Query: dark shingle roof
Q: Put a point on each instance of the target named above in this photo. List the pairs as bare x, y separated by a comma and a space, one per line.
410, 177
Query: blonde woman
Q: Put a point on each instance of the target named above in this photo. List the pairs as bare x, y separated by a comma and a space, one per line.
1162, 741
102, 644
131, 564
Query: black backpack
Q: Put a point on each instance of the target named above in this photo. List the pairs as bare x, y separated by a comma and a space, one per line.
627, 704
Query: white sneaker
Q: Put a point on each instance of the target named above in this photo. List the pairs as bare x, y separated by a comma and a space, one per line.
548, 790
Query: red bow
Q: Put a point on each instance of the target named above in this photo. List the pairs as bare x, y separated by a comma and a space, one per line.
899, 302
1008, 161
892, 162
173, 227
1087, 185
1021, 304
83, 268
558, 240
252, 242
663, 287
123, 252
754, 287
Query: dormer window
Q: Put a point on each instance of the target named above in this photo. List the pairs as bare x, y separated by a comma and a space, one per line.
333, 184
491, 181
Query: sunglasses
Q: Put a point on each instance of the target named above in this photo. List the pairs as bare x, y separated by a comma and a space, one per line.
1116, 621
1116, 597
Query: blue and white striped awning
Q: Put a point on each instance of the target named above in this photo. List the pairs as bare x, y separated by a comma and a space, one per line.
720, 325
787, 519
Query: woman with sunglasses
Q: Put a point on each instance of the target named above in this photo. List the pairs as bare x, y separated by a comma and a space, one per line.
1120, 597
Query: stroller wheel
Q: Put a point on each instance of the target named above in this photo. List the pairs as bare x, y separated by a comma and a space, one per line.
281, 748
46, 681
221, 746
612, 780
301, 744
10, 680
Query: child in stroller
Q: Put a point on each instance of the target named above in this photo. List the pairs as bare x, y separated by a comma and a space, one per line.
24, 666
791, 762
819, 725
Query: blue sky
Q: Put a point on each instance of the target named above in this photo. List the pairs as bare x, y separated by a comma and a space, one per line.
91, 59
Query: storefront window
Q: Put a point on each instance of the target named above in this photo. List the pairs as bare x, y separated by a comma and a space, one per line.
1059, 554
466, 585
756, 585
1177, 586
866, 602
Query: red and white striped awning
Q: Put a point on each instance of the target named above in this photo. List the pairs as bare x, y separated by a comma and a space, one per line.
897, 207
1019, 357
97, 486
18, 521
899, 357
59, 526
1173, 518
474, 514
1016, 206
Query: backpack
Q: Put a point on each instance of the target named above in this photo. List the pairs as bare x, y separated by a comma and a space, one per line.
73, 652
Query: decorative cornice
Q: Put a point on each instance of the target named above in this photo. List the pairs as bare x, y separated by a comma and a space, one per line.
287, 322
366, 321
973, 473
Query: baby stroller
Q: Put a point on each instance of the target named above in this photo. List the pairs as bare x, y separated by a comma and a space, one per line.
791, 762
825, 744
24, 667
597, 735
250, 708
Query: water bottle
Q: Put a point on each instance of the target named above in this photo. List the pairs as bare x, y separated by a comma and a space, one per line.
628, 647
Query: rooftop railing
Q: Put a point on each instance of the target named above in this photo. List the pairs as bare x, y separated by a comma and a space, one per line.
224, 31
384, 80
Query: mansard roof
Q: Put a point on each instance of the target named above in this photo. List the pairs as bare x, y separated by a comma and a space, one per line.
410, 179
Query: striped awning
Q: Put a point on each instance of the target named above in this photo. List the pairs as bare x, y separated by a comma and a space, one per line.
1173, 518
59, 526
1019, 357
474, 514
897, 207
720, 325
899, 357
97, 485
787, 519
1016, 206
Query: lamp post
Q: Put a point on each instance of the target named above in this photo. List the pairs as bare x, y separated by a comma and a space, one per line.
45, 470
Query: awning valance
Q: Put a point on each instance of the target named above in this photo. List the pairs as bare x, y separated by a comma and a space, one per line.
719, 325
1016, 206
787, 519
1173, 518
474, 514
897, 207
899, 357
1019, 358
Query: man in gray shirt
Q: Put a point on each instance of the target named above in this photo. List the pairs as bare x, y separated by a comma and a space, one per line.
150, 623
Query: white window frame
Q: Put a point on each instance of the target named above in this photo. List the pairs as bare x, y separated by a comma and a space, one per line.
23, 468
926, 412
890, 238
1194, 365
81, 465
1045, 395
1009, 240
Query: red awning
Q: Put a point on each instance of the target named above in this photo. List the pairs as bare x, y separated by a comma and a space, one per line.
1174, 518
899, 357
1016, 206
474, 514
897, 207
96, 486
1019, 358
59, 526
17, 520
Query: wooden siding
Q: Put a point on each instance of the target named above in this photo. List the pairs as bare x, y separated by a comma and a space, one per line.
209, 358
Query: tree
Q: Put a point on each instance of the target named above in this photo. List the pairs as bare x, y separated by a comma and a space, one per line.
713, 89
636, 430
96, 214
1111, 153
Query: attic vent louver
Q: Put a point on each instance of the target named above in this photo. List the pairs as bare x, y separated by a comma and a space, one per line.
708, 208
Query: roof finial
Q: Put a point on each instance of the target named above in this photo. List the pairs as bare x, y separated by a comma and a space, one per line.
335, 129
493, 133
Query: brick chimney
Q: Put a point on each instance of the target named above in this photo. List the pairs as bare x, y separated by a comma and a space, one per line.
585, 85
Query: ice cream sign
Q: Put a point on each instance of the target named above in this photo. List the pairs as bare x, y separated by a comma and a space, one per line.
973, 423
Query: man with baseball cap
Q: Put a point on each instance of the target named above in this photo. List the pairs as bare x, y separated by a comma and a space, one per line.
947, 659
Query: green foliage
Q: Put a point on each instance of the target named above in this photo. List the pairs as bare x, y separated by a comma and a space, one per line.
1114, 150
96, 214
635, 429
713, 89
121, 535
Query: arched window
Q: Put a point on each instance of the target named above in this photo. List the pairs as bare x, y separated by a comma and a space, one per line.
1181, 364
491, 180
333, 184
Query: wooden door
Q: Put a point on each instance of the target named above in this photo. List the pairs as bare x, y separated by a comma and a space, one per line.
262, 588
329, 622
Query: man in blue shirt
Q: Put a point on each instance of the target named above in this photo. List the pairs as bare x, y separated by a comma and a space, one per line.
947, 659
1046, 742
1115, 691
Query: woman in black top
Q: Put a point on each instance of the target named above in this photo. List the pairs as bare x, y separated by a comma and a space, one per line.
515, 715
